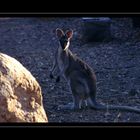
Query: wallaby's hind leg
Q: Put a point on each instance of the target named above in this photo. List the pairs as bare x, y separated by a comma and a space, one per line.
91, 103
77, 100
78, 91
75, 105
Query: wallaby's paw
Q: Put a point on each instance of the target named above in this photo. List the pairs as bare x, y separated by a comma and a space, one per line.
69, 106
58, 79
51, 76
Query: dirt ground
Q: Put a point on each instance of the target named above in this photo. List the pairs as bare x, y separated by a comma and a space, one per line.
32, 41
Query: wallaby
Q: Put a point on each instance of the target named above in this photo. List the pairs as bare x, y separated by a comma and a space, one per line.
80, 77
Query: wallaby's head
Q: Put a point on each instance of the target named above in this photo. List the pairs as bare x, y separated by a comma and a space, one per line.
64, 38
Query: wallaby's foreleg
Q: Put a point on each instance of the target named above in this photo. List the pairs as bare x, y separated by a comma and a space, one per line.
53, 68
59, 75
58, 79
61, 72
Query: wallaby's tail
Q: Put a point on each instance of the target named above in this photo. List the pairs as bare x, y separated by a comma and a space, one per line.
115, 107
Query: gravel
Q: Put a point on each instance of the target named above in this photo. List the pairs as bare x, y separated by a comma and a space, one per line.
32, 41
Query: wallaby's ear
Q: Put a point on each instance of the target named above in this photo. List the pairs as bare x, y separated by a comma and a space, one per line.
69, 33
59, 33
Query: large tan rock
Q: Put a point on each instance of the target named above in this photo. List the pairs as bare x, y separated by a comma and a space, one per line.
20, 93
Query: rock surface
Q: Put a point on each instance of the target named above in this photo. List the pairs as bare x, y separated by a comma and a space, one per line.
96, 29
20, 93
